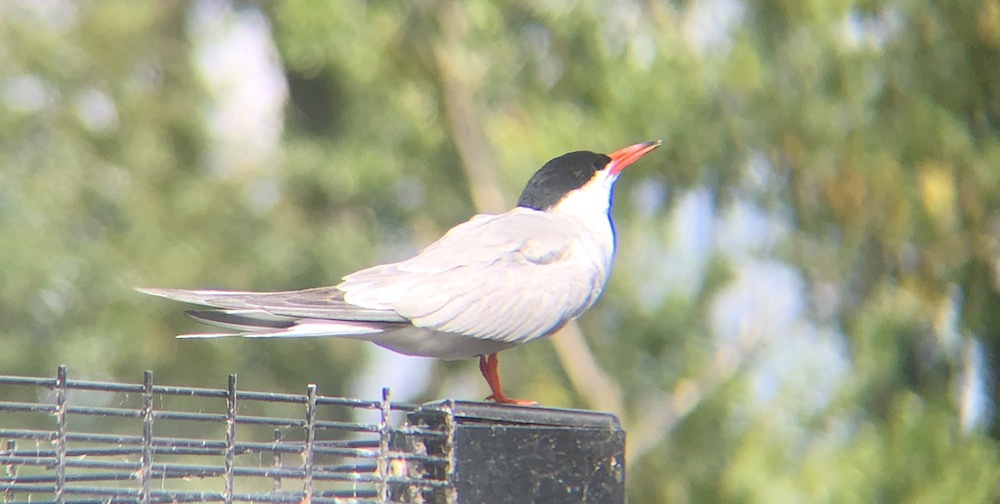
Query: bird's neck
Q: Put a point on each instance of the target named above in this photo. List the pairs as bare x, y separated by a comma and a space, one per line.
590, 201
586, 211
590, 207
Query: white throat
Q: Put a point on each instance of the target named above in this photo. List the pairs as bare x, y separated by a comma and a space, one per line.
591, 201
589, 206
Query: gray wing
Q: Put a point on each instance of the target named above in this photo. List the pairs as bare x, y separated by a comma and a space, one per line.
319, 303
511, 277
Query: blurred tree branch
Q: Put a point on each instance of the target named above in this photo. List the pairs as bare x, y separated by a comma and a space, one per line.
478, 160
661, 415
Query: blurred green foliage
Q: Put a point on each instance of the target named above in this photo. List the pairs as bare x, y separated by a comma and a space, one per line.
865, 135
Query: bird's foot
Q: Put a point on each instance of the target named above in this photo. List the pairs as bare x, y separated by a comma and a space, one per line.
507, 400
488, 366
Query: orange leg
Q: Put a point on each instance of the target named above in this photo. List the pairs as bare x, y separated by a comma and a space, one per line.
488, 366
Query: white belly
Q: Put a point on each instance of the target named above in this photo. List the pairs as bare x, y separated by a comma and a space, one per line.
440, 345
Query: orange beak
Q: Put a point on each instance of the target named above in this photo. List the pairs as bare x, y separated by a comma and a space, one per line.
621, 158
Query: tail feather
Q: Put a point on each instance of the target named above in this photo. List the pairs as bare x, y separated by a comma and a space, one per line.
296, 331
258, 324
319, 303
294, 314
241, 320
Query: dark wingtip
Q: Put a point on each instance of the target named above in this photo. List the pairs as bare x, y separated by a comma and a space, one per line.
230, 319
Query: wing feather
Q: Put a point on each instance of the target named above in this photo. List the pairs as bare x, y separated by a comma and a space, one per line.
511, 277
319, 303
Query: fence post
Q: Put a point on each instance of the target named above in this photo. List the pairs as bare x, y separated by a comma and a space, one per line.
147, 437
60, 434
310, 441
508, 454
230, 436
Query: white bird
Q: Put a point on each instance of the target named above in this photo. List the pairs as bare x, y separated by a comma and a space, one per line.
488, 284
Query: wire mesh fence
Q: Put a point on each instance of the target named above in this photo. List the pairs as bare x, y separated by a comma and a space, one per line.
74, 441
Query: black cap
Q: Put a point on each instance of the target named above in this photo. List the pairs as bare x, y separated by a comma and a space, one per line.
560, 176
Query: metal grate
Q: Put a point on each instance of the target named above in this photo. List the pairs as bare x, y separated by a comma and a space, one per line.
73, 441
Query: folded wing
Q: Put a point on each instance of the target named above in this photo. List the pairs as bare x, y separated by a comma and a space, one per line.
511, 277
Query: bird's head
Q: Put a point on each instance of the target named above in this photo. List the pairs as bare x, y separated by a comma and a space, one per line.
581, 181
